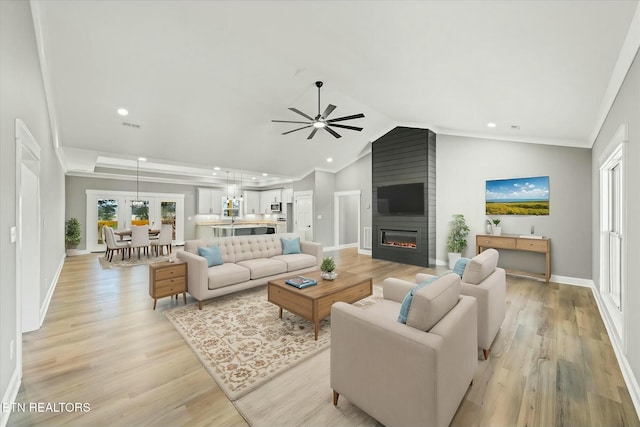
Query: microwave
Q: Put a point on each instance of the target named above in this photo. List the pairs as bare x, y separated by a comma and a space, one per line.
276, 207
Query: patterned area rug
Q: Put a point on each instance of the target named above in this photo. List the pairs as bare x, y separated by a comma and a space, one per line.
129, 262
242, 342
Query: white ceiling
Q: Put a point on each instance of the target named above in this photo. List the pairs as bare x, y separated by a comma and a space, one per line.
204, 79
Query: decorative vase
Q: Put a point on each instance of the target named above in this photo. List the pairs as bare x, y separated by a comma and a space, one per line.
497, 231
453, 258
329, 275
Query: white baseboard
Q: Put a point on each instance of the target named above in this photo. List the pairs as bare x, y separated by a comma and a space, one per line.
52, 287
10, 395
625, 367
364, 252
576, 281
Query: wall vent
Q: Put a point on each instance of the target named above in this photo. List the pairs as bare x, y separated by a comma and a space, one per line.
366, 237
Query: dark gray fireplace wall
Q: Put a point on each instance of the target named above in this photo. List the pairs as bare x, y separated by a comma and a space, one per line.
402, 156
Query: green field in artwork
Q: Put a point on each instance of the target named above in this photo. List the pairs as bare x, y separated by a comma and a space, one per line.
517, 208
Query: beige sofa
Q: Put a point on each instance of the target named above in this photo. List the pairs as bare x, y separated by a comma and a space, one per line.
486, 282
249, 261
413, 374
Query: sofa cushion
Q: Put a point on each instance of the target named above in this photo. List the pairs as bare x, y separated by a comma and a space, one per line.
480, 267
297, 261
227, 274
290, 246
212, 254
263, 267
431, 303
406, 302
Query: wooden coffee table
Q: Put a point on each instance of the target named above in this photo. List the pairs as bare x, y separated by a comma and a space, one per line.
314, 303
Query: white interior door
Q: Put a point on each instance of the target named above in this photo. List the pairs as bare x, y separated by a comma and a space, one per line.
30, 235
303, 214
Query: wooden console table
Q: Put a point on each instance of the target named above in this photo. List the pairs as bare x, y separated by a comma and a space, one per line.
517, 243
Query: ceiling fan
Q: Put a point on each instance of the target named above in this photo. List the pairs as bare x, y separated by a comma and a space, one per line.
321, 121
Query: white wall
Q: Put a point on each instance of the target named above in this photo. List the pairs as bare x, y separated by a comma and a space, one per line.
23, 97
463, 166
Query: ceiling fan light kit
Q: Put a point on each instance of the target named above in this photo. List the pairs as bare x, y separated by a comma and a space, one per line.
321, 121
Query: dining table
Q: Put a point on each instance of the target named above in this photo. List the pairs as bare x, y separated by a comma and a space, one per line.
126, 234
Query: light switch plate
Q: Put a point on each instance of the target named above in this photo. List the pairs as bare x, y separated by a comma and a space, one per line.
14, 233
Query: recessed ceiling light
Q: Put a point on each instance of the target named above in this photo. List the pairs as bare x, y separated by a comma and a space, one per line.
217, 168
265, 174
253, 177
491, 124
142, 159
214, 174
329, 159
123, 111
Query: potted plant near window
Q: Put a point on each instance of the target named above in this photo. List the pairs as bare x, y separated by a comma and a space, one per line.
457, 239
72, 236
327, 267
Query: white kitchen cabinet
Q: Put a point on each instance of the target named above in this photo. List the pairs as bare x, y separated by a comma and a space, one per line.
268, 197
252, 202
209, 201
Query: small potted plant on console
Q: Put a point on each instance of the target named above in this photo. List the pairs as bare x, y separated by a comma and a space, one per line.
327, 268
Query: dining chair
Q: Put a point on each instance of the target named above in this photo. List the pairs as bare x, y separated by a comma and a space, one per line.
113, 245
140, 238
163, 240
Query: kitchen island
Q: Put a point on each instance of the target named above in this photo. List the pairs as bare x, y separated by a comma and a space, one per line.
212, 230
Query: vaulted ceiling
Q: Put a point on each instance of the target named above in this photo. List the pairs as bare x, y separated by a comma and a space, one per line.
202, 80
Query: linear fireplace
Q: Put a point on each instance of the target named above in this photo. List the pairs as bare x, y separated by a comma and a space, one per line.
407, 239
403, 196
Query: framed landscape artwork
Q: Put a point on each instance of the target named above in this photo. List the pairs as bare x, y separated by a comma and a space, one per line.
518, 196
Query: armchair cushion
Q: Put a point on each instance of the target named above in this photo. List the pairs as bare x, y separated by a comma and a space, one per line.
480, 267
431, 303
406, 302
460, 266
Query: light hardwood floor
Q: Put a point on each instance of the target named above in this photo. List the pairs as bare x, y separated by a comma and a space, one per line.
101, 343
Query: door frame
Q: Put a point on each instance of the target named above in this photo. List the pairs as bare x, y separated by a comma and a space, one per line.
27, 155
336, 215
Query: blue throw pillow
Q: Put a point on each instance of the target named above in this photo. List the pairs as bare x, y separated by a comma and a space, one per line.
406, 302
461, 264
212, 254
290, 246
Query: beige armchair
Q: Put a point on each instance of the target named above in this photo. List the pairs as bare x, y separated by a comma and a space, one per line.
413, 374
486, 282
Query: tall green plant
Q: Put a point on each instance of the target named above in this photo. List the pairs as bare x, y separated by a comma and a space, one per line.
72, 233
458, 232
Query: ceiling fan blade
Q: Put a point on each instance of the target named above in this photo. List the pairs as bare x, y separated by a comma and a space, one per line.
295, 110
328, 111
332, 132
339, 119
289, 121
345, 126
303, 127
313, 132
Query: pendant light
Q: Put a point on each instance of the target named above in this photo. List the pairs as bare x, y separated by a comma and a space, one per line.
137, 203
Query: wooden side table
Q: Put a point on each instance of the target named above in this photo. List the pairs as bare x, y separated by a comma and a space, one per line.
167, 279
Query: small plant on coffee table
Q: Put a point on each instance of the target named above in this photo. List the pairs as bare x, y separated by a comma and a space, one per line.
327, 268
